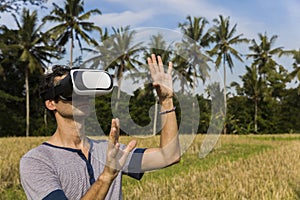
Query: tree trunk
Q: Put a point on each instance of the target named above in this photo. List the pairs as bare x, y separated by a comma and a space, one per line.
27, 101
71, 49
225, 98
255, 115
118, 94
194, 84
155, 116
119, 77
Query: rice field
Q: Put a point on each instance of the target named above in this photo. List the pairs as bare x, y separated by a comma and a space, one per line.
239, 167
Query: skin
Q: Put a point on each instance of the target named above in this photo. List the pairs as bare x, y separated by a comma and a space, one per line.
70, 126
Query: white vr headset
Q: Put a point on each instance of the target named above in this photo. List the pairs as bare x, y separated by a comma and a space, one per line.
82, 82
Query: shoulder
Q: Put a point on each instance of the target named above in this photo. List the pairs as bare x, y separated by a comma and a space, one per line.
37, 157
102, 144
38, 152
98, 148
38, 173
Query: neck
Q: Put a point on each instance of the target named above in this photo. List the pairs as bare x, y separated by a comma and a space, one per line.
69, 133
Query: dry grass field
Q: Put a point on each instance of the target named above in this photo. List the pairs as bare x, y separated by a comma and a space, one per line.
239, 167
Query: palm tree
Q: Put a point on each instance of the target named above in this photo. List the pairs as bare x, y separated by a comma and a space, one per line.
117, 52
296, 65
159, 46
73, 24
253, 87
182, 66
124, 54
263, 67
191, 47
100, 55
32, 48
224, 38
263, 54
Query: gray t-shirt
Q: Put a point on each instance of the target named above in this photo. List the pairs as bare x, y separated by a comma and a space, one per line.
48, 168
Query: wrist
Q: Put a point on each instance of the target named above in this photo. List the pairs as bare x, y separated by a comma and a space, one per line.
107, 177
167, 111
166, 103
165, 96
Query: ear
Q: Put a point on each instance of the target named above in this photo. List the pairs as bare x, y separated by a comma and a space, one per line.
50, 104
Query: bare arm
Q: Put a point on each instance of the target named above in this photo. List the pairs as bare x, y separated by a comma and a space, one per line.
169, 151
114, 162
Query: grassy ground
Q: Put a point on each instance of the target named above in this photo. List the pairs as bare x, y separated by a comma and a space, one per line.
240, 167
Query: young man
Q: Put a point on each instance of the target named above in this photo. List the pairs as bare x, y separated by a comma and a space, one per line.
71, 166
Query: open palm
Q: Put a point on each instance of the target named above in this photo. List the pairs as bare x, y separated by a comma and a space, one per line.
162, 81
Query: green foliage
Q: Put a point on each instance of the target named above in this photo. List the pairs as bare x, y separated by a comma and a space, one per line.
240, 113
205, 113
73, 24
263, 103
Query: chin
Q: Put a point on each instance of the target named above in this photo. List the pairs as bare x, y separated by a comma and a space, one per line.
82, 113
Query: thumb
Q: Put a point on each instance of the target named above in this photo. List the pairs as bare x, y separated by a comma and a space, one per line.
131, 145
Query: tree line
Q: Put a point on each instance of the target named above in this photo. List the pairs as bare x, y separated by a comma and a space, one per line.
262, 102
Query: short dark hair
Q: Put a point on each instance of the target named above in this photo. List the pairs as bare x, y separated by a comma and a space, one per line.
48, 80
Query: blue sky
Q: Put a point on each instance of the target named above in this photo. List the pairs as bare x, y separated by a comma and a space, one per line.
281, 17
275, 17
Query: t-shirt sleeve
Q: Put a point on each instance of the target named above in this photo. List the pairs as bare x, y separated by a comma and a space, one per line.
134, 168
39, 180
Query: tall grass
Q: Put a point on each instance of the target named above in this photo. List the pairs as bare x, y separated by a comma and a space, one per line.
240, 167
11, 150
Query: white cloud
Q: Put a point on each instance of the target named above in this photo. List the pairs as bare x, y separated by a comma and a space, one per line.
121, 19
195, 8
172, 7
149, 11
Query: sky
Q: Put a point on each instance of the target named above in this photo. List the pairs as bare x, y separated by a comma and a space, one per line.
274, 17
280, 17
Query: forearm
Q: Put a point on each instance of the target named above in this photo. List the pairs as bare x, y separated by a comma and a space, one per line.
169, 141
169, 122
100, 188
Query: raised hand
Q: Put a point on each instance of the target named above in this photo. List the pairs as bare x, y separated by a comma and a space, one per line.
162, 80
116, 157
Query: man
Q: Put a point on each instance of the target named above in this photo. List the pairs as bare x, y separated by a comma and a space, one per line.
71, 166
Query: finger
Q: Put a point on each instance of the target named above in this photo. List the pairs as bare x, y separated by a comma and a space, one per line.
153, 57
113, 150
170, 68
160, 64
118, 129
113, 135
150, 64
131, 145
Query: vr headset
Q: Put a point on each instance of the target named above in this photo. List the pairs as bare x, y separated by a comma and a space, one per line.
87, 82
